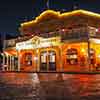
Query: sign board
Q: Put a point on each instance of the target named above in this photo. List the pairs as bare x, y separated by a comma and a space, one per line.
38, 42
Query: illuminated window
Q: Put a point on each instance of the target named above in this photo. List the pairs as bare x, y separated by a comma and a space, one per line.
28, 59
72, 56
43, 57
52, 57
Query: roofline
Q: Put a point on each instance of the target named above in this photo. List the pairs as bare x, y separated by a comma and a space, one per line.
59, 15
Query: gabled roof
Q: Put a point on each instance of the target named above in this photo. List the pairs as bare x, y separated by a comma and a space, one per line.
55, 14
50, 20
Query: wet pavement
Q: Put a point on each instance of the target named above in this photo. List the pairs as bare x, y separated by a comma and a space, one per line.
49, 86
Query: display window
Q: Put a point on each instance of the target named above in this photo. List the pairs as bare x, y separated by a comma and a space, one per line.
28, 59
72, 56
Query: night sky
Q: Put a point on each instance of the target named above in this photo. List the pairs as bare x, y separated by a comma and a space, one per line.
14, 12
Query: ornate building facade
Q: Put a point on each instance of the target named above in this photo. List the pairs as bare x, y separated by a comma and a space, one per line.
56, 42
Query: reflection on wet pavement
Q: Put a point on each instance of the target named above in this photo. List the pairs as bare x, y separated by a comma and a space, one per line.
51, 86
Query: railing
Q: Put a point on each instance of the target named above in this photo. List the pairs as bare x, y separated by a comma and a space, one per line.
74, 33
10, 43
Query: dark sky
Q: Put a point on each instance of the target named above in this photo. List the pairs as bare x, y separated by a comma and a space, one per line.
14, 12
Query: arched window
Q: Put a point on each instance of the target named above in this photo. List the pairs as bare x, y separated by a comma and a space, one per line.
72, 56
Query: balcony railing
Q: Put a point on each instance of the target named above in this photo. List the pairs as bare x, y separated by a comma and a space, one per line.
9, 43
74, 33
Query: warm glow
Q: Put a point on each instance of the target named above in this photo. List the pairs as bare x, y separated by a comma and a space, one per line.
38, 43
96, 30
45, 13
6, 53
99, 56
69, 47
95, 41
82, 50
59, 15
35, 58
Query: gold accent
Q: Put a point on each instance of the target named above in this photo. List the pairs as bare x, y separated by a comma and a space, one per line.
59, 15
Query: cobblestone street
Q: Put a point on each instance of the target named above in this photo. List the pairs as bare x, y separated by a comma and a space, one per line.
28, 86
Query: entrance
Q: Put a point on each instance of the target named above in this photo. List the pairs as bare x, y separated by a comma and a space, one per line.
48, 61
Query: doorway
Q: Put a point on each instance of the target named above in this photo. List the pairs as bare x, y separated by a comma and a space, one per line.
48, 61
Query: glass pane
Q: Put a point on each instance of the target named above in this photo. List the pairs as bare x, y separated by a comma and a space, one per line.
43, 62
72, 57
43, 59
52, 58
28, 59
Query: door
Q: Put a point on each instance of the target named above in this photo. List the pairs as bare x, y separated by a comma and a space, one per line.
52, 60
48, 61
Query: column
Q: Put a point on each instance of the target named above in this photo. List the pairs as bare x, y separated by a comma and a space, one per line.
18, 55
12, 63
37, 61
7, 62
60, 58
3, 68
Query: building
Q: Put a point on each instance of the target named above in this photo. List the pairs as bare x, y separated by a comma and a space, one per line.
56, 42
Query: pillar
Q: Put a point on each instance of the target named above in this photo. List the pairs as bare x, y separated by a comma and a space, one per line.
3, 68
13, 63
10, 63
60, 58
18, 54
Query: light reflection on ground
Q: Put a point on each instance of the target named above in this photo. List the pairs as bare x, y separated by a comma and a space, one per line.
28, 86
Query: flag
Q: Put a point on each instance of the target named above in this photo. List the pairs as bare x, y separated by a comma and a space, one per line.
47, 4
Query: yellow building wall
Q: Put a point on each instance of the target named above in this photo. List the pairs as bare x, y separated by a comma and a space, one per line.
61, 57
96, 48
82, 55
23, 65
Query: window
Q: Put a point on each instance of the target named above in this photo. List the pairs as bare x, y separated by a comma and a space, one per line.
28, 59
72, 56
52, 57
43, 57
